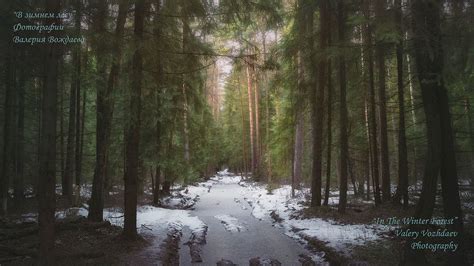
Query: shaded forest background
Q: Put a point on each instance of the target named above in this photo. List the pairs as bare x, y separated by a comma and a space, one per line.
369, 96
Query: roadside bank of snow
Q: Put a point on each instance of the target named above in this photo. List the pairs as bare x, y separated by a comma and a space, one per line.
282, 208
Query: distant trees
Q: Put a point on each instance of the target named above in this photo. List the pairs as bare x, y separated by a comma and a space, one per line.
140, 98
379, 62
64, 110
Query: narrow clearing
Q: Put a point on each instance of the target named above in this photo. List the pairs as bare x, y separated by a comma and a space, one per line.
234, 234
227, 221
220, 228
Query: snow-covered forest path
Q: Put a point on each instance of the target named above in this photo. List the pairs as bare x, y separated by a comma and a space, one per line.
234, 234
226, 219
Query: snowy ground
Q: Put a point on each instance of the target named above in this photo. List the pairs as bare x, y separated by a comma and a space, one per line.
173, 216
177, 214
279, 203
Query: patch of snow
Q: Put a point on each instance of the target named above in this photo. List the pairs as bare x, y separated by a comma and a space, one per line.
227, 179
258, 212
338, 236
29, 217
230, 223
186, 197
71, 212
200, 188
279, 201
224, 172
263, 203
86, 191
155, 217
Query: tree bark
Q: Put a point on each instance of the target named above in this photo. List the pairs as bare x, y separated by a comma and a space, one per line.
251, 121
7, 127
70, 148
81, 147
185, 41
156, 182
47, 155
82, 118
413, 116
343, 139
19, 183
97, 198
158, 128
267, 114
368, 157
367, 36
329, 125
244, 137
318, 107
258, 143
380, 63
77, 84
402, 190
132, 138
298, 152
105, 106
329, 140
441, 159
62, 153
299, 104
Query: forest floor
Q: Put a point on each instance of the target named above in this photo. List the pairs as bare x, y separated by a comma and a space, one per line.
224, 220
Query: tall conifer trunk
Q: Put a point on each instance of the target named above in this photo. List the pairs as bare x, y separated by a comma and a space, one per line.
402, 190
343, 139
251, 121
318, 107
329, 125
19, 182
77, 83
299, 103
158, 127
7, 127
258, 144
105, 106
71, 135
132, 137
97, 198
47, 155
441, 157
380, 63
374, 154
